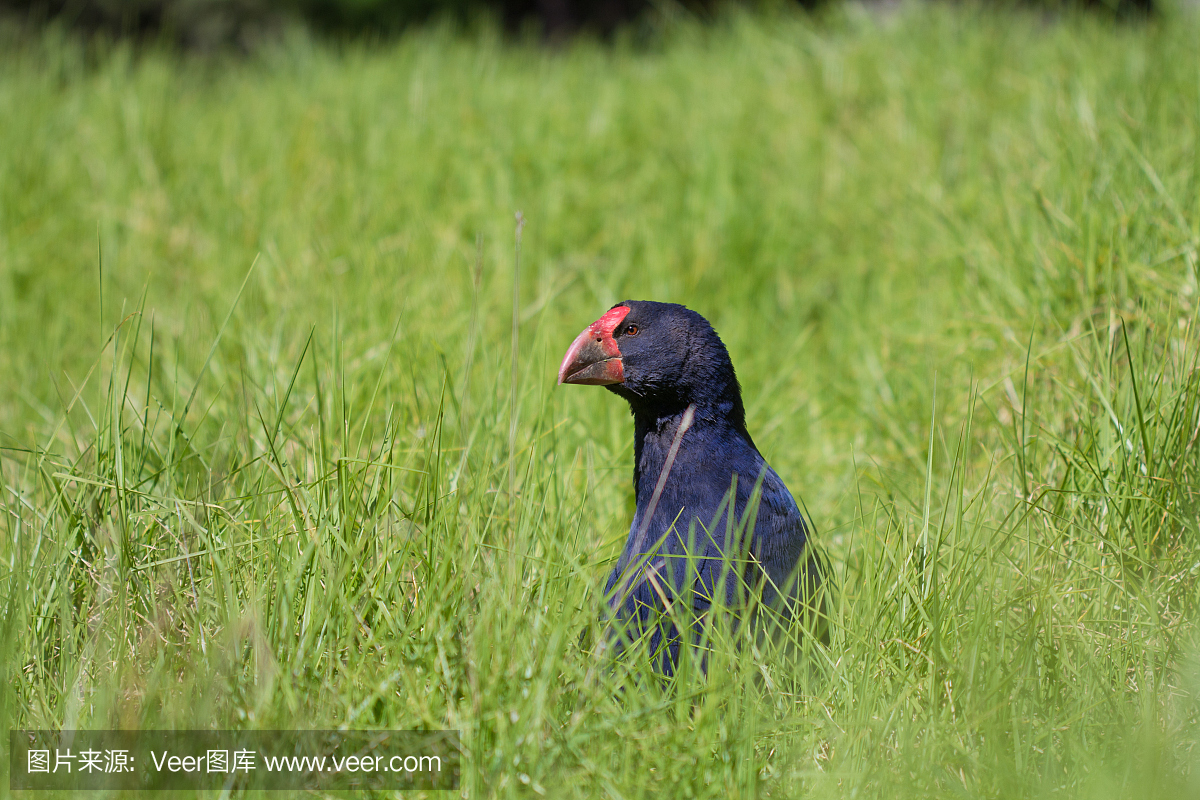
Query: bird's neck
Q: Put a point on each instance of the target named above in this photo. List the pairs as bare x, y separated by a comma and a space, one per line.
656, 431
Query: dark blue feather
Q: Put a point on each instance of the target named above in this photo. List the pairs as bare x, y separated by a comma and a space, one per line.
684, 547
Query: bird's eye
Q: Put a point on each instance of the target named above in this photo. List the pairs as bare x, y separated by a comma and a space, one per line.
631, 330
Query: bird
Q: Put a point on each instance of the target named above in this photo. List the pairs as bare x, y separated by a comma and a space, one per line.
692, 459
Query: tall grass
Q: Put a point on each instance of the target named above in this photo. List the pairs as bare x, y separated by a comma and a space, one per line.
265, 463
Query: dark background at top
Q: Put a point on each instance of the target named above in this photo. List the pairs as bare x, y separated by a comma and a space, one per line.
205, 24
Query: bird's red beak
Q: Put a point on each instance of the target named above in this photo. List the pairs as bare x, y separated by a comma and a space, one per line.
594, 359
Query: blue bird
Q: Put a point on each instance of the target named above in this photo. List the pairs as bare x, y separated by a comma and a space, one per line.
692, 455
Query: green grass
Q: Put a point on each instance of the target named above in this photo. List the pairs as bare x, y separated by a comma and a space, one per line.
259, 312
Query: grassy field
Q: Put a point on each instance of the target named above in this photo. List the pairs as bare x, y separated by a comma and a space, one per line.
267, 461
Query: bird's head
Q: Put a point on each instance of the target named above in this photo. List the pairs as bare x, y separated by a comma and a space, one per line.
661, 357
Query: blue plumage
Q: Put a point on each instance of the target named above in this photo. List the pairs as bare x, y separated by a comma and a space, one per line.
683, 546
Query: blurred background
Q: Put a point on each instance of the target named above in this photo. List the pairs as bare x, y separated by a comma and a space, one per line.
215, 23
